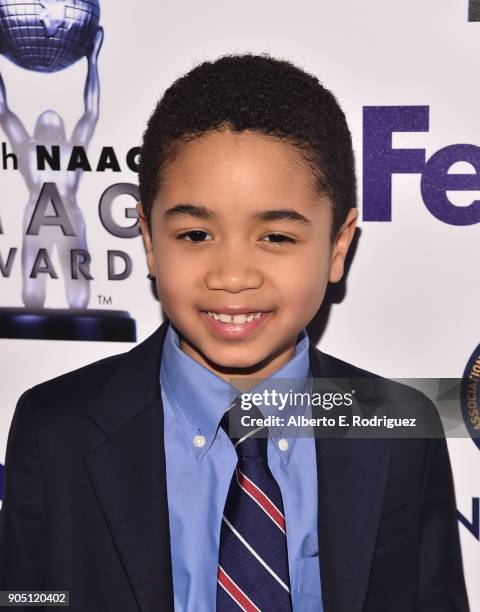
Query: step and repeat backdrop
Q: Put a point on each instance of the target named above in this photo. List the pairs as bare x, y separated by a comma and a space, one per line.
78, 80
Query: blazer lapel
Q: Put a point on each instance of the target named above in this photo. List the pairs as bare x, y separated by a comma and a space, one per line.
352, 476
127, 471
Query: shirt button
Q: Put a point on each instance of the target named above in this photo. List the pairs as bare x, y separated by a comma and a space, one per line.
199, 441
283, 444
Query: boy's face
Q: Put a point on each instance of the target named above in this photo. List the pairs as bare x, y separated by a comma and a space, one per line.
220, 252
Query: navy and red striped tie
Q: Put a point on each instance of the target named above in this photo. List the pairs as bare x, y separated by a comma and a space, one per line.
253, 558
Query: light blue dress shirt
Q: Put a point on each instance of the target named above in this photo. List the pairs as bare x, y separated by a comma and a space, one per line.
200, 461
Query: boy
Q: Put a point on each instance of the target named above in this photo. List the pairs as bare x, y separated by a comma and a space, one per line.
124, 482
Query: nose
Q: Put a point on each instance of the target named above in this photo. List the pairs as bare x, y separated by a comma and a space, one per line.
233, 268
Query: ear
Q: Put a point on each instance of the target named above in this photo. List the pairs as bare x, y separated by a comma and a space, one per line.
147, 238
341, 246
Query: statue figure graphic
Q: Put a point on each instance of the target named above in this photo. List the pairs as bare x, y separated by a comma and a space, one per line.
50, 130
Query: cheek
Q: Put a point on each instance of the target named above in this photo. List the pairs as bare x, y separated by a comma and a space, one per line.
304, 279
176, 276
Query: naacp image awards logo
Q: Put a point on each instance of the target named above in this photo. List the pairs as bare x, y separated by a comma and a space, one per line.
49, 36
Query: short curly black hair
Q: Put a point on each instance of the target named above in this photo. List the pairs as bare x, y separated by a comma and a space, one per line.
260, 93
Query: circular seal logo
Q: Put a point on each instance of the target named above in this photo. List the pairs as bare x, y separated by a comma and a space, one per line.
470, 396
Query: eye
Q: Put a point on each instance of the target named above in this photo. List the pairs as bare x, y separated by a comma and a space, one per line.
280, 239
196, 236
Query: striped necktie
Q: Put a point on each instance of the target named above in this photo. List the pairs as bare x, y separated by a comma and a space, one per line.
253, 560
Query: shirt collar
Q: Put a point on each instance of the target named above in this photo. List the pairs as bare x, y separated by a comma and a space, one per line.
199, 397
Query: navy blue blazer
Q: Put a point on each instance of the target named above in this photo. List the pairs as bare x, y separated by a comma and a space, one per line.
85, 504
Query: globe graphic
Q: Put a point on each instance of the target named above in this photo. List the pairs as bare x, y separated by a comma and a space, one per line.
47, 35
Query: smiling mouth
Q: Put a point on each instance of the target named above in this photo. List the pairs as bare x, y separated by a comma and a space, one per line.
238, 319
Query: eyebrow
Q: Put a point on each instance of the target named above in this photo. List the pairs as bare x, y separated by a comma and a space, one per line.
202, 212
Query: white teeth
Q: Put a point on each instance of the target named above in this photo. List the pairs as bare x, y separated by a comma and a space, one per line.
238, 319
242, 318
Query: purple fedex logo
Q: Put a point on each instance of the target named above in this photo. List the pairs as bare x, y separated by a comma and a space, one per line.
381, 161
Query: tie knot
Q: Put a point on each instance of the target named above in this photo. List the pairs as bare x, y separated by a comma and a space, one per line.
249, 440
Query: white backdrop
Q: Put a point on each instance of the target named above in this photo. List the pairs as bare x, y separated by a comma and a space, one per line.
411, 306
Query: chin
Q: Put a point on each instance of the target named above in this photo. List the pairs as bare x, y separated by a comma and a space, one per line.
231, 358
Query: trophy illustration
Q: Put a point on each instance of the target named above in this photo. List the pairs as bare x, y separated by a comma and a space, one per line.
48, 36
